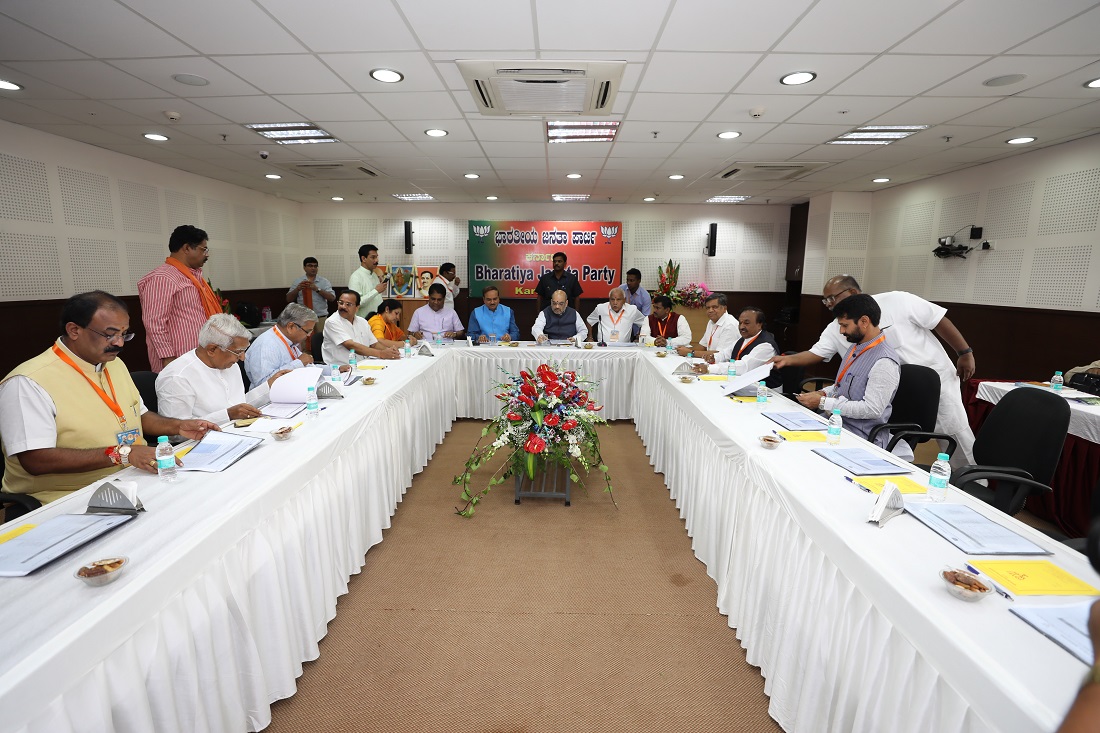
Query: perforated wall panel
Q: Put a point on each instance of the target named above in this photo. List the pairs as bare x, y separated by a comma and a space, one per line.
732, 238
649, 236
269, 229
959, 212
853, 266
216, 220
884, 232
250, 272
817, 233
721, 274
432, 238
94, 264
688, 238
244, 224
328, 234
1058, 276
912, 273
880, 274
86, 198
916, 225
24, 190
34, 277
292, 267
1071, 203
140, 204
222, 271
756, 275
291, 236
850, 230
692, 270
273, 269
782, 235
1006, 214
998, 279
758, 238
182, 208
949, 279
144, 257
812, 274
362, 231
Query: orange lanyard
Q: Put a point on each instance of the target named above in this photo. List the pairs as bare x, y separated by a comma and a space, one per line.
747, 344
285, 343
112, 401
853, 355
664, 329
716, 327
615, 321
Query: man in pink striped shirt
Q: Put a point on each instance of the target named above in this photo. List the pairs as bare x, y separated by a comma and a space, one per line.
175, 299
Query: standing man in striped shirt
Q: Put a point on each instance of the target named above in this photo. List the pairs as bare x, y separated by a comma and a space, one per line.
175, 299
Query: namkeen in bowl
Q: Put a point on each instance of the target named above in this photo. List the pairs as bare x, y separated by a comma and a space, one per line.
965, 585
368, 381
282, 433
687, 378
661, 354
101, 572
771, 442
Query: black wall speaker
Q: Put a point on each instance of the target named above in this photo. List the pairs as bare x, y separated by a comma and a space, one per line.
712, 239
408, 237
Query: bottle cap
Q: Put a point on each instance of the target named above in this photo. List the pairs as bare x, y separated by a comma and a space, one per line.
162, 439
1058, 373
943, 457
836, 410
761, 384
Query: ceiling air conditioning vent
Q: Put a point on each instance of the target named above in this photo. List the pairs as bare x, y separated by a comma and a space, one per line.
542, 88
333, 170
768, 171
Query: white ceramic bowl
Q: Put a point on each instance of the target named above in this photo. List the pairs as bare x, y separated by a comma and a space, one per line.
115, 566
282, 434
688, 378
771, 442
966, 594
661, 354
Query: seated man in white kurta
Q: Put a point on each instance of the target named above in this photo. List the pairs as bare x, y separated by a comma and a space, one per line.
346, 332
615, 319
721, 332
206, 382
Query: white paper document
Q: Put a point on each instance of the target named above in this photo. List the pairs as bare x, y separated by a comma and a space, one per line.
751, 377
52, 539
262, 425
292, 387
861, 462
971, 532
282, 409
218, 451
1066, 626
796, 420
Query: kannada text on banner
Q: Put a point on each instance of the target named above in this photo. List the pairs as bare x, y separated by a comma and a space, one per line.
513, 255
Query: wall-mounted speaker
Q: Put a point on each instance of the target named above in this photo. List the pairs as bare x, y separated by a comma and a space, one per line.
712, 239
408, 237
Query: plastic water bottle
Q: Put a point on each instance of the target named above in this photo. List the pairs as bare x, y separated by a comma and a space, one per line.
731, 371
761, 392
832, 437
408, 350
668, 349
166, 460
353, 362
334, 377
938, 477
312, 410
1056, 382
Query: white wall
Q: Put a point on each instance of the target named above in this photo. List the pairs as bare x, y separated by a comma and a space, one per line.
1040, 210
74, 217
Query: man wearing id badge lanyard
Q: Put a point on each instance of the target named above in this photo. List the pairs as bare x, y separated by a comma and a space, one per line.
721, 333
72, 415
613, 320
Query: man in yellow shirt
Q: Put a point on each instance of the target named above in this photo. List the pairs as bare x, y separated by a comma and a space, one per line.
384, 324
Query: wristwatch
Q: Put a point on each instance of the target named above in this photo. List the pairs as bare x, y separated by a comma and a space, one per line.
124, 455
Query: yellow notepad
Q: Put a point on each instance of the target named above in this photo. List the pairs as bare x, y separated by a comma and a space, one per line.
905, 484
713, 378
803, 436
1035, 578
12, 534
372, 366
736, 398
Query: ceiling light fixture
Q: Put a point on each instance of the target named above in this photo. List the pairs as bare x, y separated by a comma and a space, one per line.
582, 132
490, 198
435, 133
1020, 140
572, 175
876, 134
191, 80
727, 199
471, 175
676, 177
292, 133
337, 198
569, 196
880, 180
729, 134
273, 176
650, 198
386, 76
798, 77
1003, 81
156, 137
413, 197
9, 86
1094, 84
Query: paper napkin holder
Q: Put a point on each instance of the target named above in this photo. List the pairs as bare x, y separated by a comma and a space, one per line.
327, 390
424, 350
684, 368
890, 504
115, 498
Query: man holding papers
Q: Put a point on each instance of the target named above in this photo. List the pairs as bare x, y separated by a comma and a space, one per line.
721, 330
755, 347
347, 332
434, 320
206, 382
280, 347
869, 373
614, 320
72, 415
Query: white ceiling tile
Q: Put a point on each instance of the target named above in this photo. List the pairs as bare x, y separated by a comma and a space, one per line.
329, 107
458, 131
515, 149
212, 134
960, 134
631, 57
85, 134
26, 114
154, 109
750, 131
988, 26
354, 68
33, 88
231, 27
245, 110
1084, 116
852, 111
504, 165
509, 130
896, 74
435, 106
593, 151
284, 74
159, 73
829, 153
336, 25
1016, 111
448, 149
673, 107
768, 152
858, 26
1072, 84
327, 151
830, 70
667, 132
647, 149
930, 110
804, 134
1039, 69
389, 150
1077, 35
101, 28
704, 25
702, 73
90, 112
368, 131
91, 78
558, 26
21, 43
436, 23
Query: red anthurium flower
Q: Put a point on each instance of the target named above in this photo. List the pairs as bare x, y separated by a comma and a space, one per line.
552, 419
526, 400
594, 407
514, 417
555, 389
525, 374
534, 444
570, 376
528, 389
569, 424
546, 374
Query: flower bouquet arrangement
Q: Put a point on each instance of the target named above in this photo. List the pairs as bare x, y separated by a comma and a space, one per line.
694, 295
546, 416
666, 281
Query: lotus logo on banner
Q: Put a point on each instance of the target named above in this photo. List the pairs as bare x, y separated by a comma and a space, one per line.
481, 231
609, 233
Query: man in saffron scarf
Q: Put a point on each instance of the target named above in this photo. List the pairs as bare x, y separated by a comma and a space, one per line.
175, 299
492, 319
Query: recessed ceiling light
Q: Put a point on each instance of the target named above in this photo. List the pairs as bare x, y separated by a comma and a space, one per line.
156, 137
435, 133
729, 134
798, 77
569, 196
727, 199
876, 134
413, 196
1020, 140
1094, 84
676, 177
581, 132
337, 198
880, 180
273, 176
490, 198
386, 76
292, 133
471, 175
1004, 81
572, 175
191, 80
9, 86
649, 198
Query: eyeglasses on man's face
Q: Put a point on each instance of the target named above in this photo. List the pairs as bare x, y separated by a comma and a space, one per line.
235, 352
122, 336
307, 331
829, 300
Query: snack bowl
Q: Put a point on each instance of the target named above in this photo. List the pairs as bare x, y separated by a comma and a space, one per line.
101, 572
965, 585
688, 378
513, 344
368, 381
282, 433
662, 354
589, 345
771, 442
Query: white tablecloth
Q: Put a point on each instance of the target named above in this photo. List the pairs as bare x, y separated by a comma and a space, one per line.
234, 576
1084, 420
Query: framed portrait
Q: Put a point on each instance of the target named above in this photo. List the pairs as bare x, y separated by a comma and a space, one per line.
424, 278
402, 281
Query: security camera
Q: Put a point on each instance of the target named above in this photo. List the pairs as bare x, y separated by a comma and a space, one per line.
264, 154
172, 116
756, 112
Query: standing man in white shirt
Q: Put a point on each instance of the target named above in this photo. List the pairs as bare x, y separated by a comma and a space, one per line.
347, 332
754, 349
667, 326
613, 320
721, 332
366, 283
448, 278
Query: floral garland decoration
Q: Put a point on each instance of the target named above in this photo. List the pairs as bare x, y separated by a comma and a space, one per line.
546, 417
694, 295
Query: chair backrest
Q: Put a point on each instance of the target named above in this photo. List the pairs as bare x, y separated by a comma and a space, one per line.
318, 342
244, 376
791, 376
918, 397
1026, 429
146, 382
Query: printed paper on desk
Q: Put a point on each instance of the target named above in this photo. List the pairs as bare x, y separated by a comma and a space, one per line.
905, 484
803, 436
291, 387
1035, 578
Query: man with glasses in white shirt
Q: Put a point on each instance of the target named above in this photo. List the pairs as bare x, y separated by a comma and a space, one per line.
280, 347
721, 332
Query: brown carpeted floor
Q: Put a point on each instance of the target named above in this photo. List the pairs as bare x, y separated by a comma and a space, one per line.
536, 617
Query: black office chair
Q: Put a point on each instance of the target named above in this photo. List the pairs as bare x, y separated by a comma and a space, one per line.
244, 375
817, 382
791, 376
1018, 448
16, 505
914, 408
146, 383
318, 340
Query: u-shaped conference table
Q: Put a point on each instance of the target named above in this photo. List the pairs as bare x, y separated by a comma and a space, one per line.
234, 576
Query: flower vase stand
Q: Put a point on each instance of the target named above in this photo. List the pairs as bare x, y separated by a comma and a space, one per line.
551, 482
